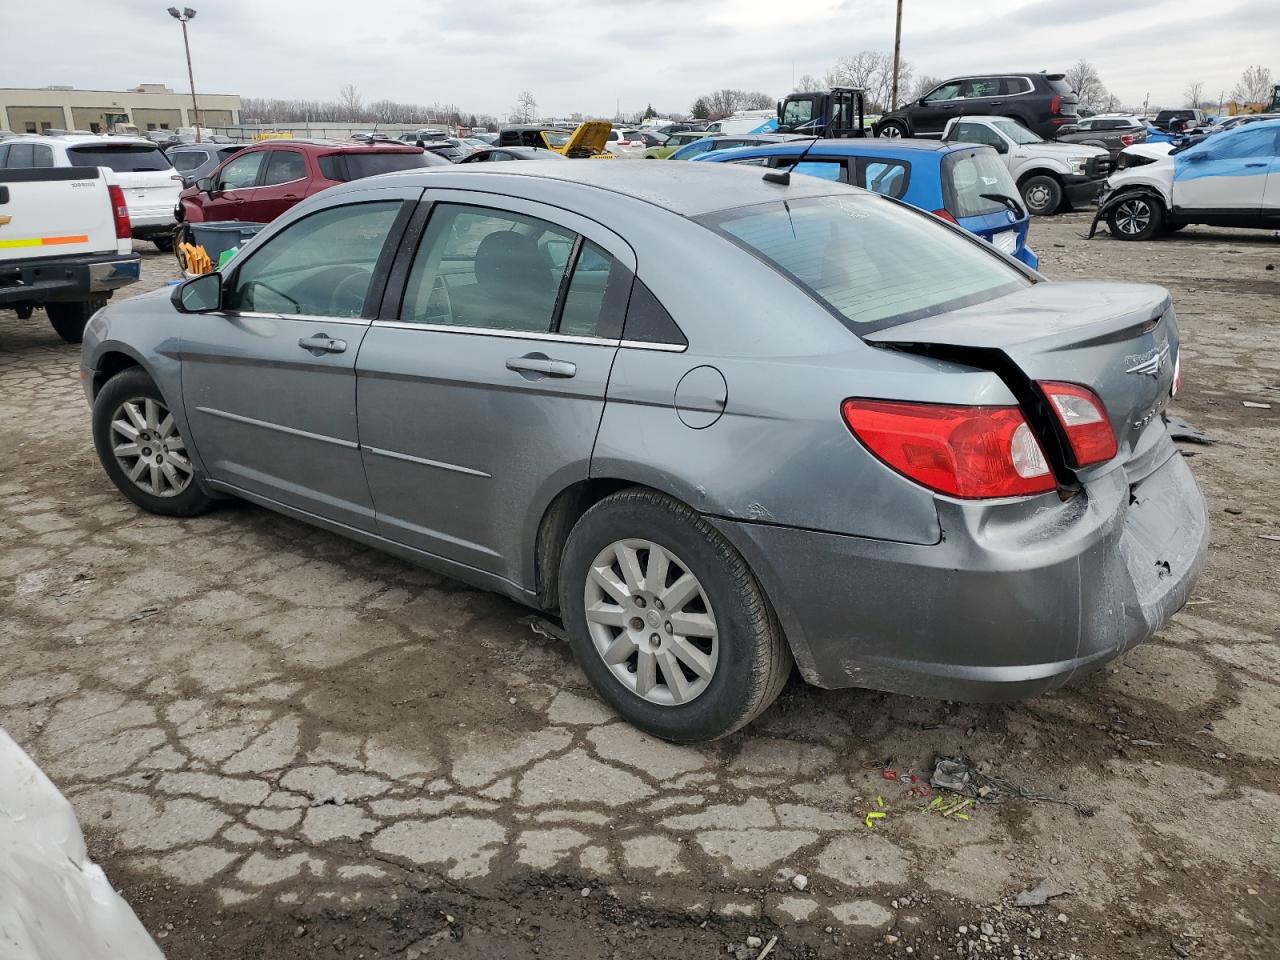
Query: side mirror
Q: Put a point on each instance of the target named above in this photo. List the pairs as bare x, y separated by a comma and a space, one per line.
1001, 147
205, 185
199, 294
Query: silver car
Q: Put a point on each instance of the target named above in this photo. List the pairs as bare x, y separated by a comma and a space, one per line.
718, 424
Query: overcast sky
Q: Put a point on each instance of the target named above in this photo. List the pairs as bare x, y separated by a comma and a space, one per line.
585, 55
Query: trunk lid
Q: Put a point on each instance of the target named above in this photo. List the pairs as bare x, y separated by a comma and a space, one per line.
141, 169
1119, 340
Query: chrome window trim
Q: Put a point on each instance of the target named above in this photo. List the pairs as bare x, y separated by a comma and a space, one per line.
532, 335
313, 317
282, 183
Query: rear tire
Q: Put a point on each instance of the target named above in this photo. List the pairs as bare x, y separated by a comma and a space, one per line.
163, 242
742, 657
153, 490
69, 319
1042, 195
1135, 218
892, 129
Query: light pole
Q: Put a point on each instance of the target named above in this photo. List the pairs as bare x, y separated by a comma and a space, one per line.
897, 48
182, 17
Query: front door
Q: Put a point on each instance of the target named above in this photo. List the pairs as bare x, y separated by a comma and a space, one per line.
938, 106
233, 188
269, 381
481, 393
1224, 178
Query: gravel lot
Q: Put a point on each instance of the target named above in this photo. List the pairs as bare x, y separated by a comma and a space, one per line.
282, 744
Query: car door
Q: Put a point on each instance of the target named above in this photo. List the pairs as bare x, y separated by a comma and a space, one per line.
1271, 194
938, 106
282, 184
233, 186
981, 95
268, 380
481, 391
1223, 179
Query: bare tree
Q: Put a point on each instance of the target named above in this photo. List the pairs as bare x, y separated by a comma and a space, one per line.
1193, 93
1084, 80
808, 83
756, 100
526, 108
349, 100
872, 72
1254, 86
924, 83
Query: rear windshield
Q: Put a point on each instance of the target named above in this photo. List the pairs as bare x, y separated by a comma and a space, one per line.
870, 261
1062, 88
967, 175
354, 166
120, 157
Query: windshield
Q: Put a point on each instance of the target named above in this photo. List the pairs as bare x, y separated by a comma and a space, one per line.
120, 157
557, 138
870, 261
1016, 131
967, 175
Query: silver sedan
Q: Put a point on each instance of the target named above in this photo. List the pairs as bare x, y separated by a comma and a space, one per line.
720, 424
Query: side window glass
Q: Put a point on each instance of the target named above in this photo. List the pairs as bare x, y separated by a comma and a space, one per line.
948, 91
188, 160
1240, 146
319, 266
797, 112
884, 177
4, 155
285, 166
981, 87
478, 267
241, 172
595, 300
823, 169
43, 156
975, 133
755, 162
648, 320
21, 155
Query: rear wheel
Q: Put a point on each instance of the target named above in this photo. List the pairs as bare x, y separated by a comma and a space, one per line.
667, 621
1135, 218
139, 446
1042, 194
892, 129
68, 319
163, 242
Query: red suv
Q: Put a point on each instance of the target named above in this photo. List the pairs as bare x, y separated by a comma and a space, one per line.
261, 182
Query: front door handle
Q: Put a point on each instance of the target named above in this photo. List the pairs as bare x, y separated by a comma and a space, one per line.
541, 365
1262, 164
322, 343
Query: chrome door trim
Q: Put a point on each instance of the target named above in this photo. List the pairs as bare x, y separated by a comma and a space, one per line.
280, 428
311, 317
531, 335
439, 464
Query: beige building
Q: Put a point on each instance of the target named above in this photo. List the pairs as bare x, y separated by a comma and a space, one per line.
151, 106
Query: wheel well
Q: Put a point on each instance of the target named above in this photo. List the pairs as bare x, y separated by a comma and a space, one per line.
553, 531
1039, 172
1149, 193
109, 366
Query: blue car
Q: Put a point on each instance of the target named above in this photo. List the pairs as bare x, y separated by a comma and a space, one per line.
692, 151
964, 183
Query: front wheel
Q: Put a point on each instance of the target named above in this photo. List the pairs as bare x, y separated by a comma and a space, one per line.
1135, 218
69, 319
1042, 194
892, 129
667, 620
139, 446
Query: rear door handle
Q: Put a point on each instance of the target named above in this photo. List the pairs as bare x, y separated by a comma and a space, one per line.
322, 343
540, 363
1262, 164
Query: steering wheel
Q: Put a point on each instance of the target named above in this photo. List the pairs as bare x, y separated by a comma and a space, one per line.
349, 295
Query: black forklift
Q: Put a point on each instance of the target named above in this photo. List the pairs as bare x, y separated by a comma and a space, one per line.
827, 114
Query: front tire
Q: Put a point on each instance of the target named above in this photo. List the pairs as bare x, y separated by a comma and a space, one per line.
140, 448
1042, 195
69, 319
667, 620
892, 130
1135, 218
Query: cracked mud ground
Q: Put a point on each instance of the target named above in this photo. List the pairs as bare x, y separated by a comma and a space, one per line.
282, 744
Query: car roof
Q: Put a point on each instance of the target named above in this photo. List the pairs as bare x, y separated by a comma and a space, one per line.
319, 146
687, 189
80, 139
897, 146
538, 153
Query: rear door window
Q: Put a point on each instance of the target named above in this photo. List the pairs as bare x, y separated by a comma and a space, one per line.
981, 87
120, 157
21, 156
188, 160
356, 166
596, 298
885, 177
285, 166
823, 169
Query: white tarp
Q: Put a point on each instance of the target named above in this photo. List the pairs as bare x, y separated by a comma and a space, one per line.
55, 903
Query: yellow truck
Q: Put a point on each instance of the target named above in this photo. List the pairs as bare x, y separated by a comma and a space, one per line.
587, 140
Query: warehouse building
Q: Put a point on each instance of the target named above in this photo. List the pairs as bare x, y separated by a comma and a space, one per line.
150, 106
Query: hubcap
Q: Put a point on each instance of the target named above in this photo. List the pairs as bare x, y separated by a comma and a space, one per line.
149, 448
651, 622
1038, 197
891, 132
1133, 216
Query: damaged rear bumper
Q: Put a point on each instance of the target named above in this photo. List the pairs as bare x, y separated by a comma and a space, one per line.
1018, 597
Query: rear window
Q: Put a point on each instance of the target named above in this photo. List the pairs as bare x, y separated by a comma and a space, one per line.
967, 175
872, 263
1061, 88
188, 160
120, 157
355, 166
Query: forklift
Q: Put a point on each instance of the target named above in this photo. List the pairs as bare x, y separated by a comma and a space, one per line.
828, 114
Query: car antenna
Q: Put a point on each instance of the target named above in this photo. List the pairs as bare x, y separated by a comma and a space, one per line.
784, 176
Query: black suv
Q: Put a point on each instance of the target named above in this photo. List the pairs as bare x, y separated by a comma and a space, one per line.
1042, 102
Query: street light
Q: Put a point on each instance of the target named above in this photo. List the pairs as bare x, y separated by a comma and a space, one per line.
182, 17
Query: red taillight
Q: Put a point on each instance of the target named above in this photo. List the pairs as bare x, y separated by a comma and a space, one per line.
969, 452
1055, 104
1085, 420
944, 215
1126, 139
120, 212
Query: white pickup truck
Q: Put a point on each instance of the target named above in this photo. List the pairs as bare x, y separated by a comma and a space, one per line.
1047, 173
64, 243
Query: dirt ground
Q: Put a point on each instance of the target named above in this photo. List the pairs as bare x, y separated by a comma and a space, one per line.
282, 744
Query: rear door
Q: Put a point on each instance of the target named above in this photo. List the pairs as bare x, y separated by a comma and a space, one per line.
480, 393
1224, 178
269, 380
1271, 195
282, 184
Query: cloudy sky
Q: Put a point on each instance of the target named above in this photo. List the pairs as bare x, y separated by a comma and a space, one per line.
585, 55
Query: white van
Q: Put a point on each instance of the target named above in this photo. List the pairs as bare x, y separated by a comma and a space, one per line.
746, 121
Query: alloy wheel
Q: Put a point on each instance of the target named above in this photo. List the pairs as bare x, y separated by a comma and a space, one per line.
1133, 216
651, 622
149, 449
891, 132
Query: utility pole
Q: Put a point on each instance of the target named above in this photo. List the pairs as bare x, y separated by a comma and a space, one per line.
189, 14
897, 52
